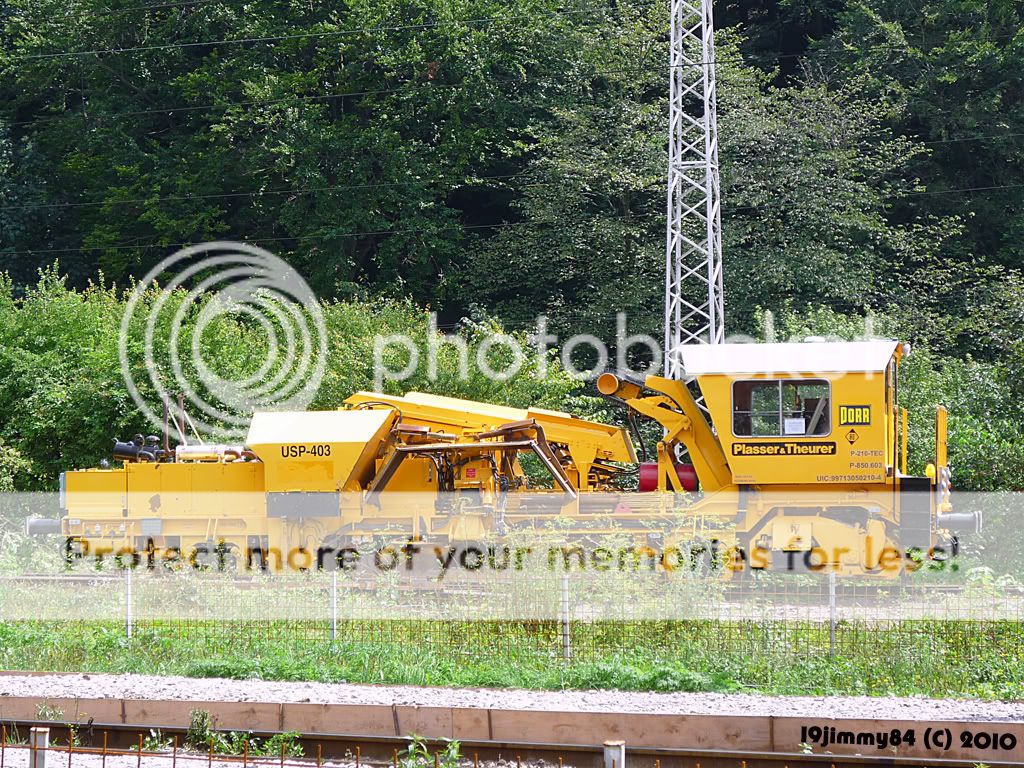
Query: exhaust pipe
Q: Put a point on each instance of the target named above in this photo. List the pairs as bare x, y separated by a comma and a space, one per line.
41, 526
960, 522
139, 449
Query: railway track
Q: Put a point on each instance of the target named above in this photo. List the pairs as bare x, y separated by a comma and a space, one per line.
526, 729
108, 740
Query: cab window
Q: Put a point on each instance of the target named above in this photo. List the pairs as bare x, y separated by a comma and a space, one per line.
783, 408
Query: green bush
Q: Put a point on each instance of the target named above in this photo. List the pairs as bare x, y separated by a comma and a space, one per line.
986, 449
64, 400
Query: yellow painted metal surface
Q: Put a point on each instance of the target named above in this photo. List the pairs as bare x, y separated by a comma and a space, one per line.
451, 414
320, 451
587, 442
941, 437
671, 404
849, 443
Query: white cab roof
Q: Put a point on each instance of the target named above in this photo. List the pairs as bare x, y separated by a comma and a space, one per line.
803, 357
273, 427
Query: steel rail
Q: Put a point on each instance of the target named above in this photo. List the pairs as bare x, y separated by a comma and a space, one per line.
124, 739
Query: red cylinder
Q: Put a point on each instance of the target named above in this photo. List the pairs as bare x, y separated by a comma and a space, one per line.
649, 477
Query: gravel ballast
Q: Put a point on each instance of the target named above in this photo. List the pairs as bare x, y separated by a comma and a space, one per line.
139, 687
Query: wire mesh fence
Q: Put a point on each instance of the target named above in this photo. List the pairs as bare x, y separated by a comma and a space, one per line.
77, 745
34, 749
72, 745
956, 636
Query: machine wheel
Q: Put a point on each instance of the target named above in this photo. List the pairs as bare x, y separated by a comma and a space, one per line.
69, 552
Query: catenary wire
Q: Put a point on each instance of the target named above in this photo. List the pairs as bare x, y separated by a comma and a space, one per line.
298, 35
420, 230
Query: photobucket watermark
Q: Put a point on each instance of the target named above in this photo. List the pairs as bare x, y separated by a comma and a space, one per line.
500, 356
169, 344
184, 298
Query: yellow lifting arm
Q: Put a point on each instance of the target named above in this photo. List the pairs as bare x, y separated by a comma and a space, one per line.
589, 443
675, 409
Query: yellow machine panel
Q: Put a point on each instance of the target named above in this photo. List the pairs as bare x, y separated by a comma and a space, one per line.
318, 451
800, 416
193, 489
96, 491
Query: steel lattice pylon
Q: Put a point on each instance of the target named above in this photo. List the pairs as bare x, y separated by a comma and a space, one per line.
693, 257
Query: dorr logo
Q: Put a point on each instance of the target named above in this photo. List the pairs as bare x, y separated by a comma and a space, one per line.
854, 415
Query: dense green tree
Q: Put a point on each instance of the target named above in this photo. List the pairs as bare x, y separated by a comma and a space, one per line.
809, 179
510, 156
506, 159
946, 77
586, 233
354, 138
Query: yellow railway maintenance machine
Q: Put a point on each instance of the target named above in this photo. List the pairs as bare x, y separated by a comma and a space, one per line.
802, 465
807, 454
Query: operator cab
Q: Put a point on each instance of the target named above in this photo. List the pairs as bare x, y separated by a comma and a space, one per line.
802, 413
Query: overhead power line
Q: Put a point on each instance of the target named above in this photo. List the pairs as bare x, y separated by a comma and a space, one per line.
301, 35
964, 189
424, 26
332, 236
443, 227
408, 86
465, 182
256, 193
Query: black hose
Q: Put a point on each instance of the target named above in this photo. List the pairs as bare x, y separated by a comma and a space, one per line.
631, 423
631, 420
368, 403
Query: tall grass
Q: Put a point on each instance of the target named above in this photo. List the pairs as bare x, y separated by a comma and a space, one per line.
954, 659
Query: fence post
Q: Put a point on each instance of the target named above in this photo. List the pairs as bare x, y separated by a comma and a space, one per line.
129, 619
615, 754
334, 604
39, 742
831, 613
566, 620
